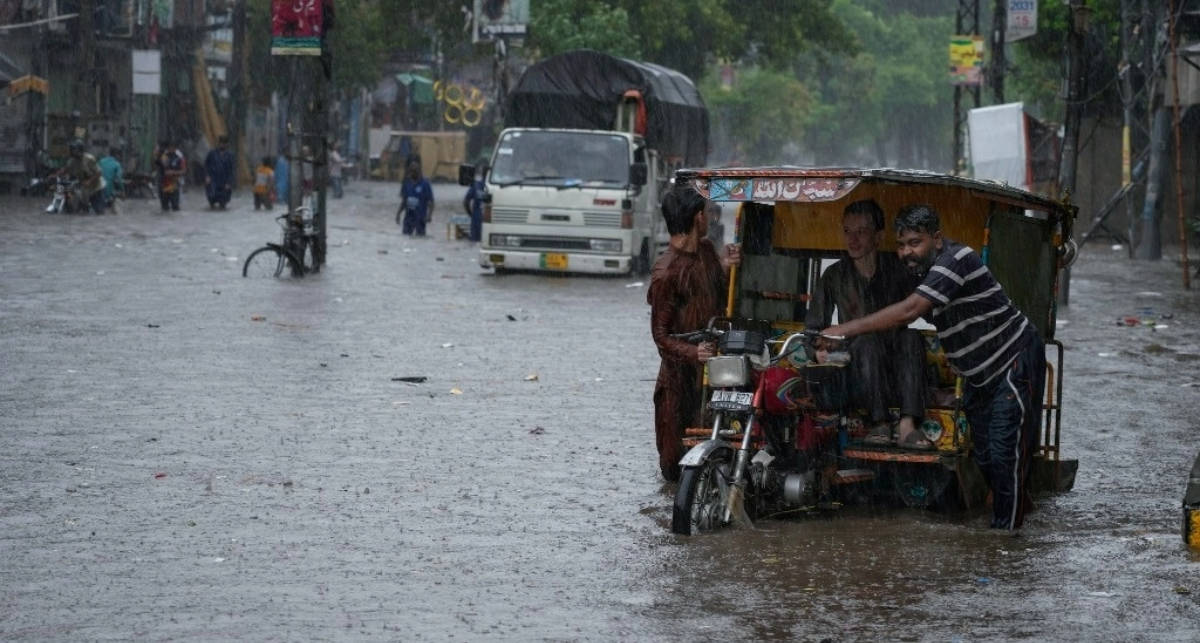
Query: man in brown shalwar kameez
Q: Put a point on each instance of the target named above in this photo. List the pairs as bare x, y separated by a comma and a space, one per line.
687, 288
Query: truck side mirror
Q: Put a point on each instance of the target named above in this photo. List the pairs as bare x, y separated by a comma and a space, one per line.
466, 174
639, 173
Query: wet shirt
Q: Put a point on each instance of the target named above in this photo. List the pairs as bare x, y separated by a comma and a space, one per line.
335, 164
281, 178
473, 201
857, 296
85, 170
416, 195
264, 178
110, 168
219, 166
172, 166
686, 290
979, 327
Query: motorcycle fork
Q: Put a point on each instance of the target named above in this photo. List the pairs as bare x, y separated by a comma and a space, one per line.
742, 459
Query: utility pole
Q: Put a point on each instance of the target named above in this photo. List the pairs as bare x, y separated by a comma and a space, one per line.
967, 17
237, 90
999, 25
85, 101
1148, 238
1076, 28
1174, 43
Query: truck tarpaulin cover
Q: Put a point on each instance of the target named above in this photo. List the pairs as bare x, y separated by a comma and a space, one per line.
582, 89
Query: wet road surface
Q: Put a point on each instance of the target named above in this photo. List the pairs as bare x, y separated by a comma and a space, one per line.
187, 454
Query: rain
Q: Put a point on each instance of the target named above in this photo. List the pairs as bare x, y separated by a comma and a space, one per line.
330, 321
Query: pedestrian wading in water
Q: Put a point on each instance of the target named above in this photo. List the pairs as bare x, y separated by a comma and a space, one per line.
687, 288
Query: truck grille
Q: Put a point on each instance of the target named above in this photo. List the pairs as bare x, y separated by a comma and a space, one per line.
550, 243
602, 219
506, 215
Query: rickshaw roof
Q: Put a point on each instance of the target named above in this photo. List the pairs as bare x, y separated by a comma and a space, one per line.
809, 184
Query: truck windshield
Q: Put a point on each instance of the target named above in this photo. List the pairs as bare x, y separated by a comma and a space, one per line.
563, 159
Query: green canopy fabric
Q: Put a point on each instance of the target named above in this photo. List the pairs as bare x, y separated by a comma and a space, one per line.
419, 88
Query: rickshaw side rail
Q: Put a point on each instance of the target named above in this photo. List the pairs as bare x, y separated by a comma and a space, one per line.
893, 456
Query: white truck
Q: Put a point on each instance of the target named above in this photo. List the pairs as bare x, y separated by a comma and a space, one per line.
576, 178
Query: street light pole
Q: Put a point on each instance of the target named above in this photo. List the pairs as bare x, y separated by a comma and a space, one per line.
999, 25
1076, 26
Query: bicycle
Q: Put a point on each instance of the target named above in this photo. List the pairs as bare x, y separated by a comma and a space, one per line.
300, 250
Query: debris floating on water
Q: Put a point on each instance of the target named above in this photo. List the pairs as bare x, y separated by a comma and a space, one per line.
415, 379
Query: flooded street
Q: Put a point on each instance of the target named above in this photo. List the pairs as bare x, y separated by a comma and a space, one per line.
188, 454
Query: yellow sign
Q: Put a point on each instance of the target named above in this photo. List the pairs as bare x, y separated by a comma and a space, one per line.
29, 84
966, 60
554, 261
463, 104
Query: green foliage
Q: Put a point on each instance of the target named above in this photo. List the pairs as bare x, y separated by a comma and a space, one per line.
755, 119
1037, 65
562, 25
890, 103
689, 34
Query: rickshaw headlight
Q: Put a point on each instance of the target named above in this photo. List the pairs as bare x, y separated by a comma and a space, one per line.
728, 370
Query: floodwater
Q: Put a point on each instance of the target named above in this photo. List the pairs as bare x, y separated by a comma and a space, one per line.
187, 454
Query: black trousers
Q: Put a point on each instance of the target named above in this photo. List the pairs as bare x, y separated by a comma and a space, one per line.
1005, 415
888, 369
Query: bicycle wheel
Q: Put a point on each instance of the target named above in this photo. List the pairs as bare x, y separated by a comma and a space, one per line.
267, 261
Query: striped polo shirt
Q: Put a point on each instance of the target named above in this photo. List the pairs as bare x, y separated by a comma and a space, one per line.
979, 327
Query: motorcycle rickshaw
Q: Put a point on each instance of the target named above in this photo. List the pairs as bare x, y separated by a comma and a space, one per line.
789, 224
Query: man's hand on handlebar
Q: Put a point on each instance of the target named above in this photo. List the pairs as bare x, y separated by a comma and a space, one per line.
706, 351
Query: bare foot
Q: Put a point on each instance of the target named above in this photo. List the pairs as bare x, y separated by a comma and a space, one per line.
910, 437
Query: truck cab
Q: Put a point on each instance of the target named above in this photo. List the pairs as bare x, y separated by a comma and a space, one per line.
572, 200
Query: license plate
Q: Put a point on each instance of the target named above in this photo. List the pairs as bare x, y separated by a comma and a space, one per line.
731, 399
554, 261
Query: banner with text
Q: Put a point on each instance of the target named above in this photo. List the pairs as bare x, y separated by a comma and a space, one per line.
966, 60
1022, 19
296, 27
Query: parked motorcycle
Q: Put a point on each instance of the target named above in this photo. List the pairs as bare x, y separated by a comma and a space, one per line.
775, 423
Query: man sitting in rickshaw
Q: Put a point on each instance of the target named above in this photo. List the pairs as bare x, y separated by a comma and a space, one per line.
991, 344
886, 367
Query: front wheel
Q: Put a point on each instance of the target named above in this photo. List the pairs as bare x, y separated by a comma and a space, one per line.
703, 495
269, 261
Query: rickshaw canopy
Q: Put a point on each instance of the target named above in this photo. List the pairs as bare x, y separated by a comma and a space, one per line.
793, 214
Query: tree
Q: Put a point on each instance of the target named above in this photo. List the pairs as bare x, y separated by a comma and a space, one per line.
1036, 67
563, 25
755, 120
687, 35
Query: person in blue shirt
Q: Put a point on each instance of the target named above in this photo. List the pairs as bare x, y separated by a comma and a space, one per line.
114, 181
416, 201
473, 203
281, 179
218, 179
